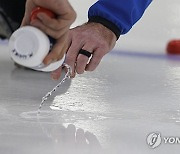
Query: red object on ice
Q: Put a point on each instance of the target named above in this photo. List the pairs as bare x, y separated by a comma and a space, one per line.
173, 47
41, 10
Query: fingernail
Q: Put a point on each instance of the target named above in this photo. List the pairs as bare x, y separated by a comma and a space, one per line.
54, 60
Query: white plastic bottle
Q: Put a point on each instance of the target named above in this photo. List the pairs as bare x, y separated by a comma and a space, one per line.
29, 46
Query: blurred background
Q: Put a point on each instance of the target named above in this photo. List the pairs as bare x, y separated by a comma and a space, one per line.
160, 23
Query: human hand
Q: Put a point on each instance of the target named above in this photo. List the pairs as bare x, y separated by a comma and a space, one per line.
92, 37
57, 28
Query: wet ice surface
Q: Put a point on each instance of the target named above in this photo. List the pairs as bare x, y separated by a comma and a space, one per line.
135, 91
111, 110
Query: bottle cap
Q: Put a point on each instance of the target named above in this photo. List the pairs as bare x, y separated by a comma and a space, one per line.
29, 46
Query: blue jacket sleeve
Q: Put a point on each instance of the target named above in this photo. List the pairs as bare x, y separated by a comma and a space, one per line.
118, 15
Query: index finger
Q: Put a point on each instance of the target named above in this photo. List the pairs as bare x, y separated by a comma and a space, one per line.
59, 7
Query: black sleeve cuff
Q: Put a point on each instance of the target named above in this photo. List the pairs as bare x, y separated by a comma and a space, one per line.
108, 24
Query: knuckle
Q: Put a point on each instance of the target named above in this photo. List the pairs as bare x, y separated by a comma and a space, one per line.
98, 57
46, 30
73, 16
58, 25
70, 59
55, 35
78, 36
102, 44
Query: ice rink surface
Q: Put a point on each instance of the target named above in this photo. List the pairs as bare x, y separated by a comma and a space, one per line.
134, 92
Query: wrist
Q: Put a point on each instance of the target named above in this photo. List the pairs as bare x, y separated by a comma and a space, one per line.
106, 23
